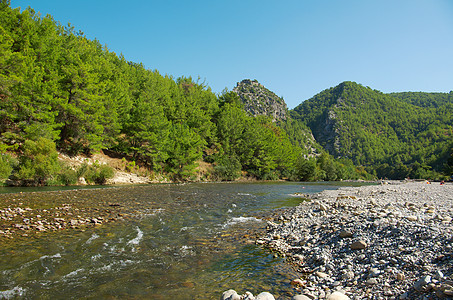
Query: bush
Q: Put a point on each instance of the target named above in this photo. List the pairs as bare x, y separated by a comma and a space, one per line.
7, 164
95, 173
67, 176
227, 168
38, 163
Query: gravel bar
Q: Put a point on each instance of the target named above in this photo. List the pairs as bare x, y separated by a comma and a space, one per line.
388, 241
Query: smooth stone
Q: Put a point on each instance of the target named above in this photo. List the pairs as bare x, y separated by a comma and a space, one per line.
345, 234
230, 295
371, 281
298, 281
301, 297
411, 218
321, 274
359, 245
338, 296
264, 296
248, 296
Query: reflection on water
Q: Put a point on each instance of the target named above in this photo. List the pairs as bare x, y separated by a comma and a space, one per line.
186, 242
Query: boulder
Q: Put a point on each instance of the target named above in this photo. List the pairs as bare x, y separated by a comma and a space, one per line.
230, 295
264, 296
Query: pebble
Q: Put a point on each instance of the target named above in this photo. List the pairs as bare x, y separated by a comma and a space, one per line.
337, 296
345, 234
321, 274
422, 282
359, 245
399, 251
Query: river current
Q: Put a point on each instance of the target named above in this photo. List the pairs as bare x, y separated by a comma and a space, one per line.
192, 243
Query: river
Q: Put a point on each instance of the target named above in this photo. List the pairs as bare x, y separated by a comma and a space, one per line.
190, 241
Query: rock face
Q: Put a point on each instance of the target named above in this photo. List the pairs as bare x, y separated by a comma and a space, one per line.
258, 100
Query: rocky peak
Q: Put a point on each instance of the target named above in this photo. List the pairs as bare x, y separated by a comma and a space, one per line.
258, 100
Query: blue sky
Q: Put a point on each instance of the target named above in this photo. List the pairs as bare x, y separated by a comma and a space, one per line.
296, 48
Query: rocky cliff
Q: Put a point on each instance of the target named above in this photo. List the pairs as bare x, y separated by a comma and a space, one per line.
258, 100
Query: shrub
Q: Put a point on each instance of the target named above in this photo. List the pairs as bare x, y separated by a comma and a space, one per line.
38, 163
7, 164
67, 176
96, 173
227, 168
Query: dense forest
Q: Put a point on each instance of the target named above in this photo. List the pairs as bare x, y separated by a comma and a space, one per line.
395, 136
61, 92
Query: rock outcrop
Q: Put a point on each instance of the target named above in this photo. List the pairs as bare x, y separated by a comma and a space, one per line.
258, 100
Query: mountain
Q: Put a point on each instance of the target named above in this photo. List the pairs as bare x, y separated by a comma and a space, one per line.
258, 100
394, 135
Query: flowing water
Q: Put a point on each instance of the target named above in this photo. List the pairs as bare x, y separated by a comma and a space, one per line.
187, 242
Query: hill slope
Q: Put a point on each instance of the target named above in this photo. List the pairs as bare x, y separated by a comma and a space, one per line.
260, 101
395, 135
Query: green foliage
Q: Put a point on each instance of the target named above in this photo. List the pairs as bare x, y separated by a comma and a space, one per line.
7, 164
60, 89
38, 162
227, 168
395, 136
67, 176
185, 149
95, 173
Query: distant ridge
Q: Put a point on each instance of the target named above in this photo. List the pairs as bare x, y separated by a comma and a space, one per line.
407, 132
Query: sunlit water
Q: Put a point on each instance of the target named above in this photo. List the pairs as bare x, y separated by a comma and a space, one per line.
191, 246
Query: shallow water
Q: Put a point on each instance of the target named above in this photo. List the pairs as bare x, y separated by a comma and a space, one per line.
186, 242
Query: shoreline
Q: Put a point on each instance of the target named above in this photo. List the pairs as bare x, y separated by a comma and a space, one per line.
390, 241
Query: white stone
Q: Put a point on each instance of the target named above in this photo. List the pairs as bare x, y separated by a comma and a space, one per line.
230, 295
338, 296
264, 296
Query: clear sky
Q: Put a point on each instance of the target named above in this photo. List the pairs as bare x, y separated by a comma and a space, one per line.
296, 48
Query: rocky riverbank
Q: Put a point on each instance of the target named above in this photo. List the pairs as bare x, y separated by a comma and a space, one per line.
390, 241
24, 215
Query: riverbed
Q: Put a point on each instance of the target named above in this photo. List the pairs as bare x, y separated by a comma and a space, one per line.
188, 241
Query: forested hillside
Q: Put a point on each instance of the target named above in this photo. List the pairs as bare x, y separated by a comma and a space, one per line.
63, 92
394, 135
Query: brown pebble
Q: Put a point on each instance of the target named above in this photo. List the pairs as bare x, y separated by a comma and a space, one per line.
359, 245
